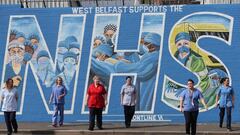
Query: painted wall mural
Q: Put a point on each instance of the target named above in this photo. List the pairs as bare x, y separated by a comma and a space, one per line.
159, 46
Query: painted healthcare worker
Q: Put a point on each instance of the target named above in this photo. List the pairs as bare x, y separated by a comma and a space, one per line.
146, 70
57, 98
189, 105
151, 48
29, 50
191, 60
43, 67
62, 49
109, 31
225, 100
141, 51
20, 37
9, 97
98, 40
15, 68
69, 68
13, 34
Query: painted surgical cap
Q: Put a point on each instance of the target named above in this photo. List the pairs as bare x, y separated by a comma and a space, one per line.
15, 43
70, 39
69, 54
27, 43
20, 34
181, 36
104, 49
42, 53
13, 32
100, 37
144, 34
34, 36
74, 45
112, 27
63, 44
153, 38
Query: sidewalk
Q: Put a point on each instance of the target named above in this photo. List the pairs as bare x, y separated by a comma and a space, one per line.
119, 129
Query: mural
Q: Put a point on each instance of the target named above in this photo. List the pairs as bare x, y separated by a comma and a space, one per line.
159, 46
183, 46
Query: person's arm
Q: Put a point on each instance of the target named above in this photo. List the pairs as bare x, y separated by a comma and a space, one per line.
16, 96
64, 92
51, 98
135, 95
86, 100
233, 98
217, 97
181, 104
122, 95
105, 99
204, 103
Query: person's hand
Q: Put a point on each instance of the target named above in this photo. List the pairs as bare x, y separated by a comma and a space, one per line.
206, 107
106, 102
181, 109
59, 97
16, 80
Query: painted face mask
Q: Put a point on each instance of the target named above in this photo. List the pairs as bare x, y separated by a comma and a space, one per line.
141, 50
16, 58
35, 46
184, 49
145, 49
27, 56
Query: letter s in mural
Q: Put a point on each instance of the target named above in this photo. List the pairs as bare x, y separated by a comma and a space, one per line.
184, 48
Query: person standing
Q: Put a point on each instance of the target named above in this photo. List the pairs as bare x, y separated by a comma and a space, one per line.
128, 100
190, 106
9, 97
96, 99
57, 98
225, 95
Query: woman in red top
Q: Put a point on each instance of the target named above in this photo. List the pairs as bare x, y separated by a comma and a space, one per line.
96, 99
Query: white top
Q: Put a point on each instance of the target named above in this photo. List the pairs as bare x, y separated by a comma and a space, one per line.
9, 100
129, 95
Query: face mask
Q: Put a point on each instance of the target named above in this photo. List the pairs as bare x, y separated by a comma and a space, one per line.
16, 58
43, 64
109, 41
145, 49
184, 49
141, 51
69, 67
27, 56
35, 46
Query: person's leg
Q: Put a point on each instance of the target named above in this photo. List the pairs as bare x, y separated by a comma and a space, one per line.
55, 115
187, 121
8, 122
91, 118
229, 117
61, 111
132, 111
14, 121
221, 116
126, 115
194, 116
99, 117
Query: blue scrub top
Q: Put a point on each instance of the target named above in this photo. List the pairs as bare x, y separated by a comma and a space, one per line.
56, 92
190, 100
225, 96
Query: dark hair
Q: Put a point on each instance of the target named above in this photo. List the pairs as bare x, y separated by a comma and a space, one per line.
223, 79
8, 81
190, 80
128, 77
60, 79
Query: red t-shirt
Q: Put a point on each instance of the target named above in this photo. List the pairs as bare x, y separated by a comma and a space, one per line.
95, 96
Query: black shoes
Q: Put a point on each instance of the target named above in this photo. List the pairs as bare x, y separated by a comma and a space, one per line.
90, 129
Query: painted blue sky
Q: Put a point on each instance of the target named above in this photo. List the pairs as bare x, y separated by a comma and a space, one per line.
207, 18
